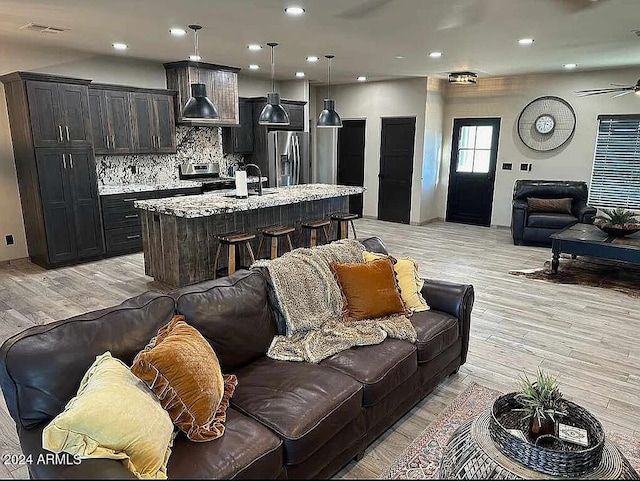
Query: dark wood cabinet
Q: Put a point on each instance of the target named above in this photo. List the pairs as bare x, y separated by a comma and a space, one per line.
296, 114
153, 123
68, 192
111, 121
239, 140
59, 114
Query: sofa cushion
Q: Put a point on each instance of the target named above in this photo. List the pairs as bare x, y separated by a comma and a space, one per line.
559, 206
43, 366
436, 332
248, 450
305, 404
370, 290
228, 309
380, 368
550, 220
182, 370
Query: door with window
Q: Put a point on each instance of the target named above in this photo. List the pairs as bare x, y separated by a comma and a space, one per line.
474, 153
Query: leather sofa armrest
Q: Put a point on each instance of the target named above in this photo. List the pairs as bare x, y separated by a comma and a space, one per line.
519, 214
454, 299
586, 214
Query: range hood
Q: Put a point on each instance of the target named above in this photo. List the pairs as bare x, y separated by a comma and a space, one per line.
221, 83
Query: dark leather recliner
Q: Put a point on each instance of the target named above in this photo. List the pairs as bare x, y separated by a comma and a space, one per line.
530, 227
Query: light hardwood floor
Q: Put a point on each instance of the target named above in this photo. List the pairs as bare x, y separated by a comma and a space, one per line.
586, 335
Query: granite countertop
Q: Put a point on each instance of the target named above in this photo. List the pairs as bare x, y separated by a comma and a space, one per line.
212, 203
180, 184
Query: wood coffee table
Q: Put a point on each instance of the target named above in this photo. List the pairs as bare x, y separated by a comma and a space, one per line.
588, 240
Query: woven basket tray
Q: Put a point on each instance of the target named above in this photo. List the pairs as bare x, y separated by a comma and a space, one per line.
558, 458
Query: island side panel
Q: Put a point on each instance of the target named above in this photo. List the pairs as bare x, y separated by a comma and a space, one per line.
180, 251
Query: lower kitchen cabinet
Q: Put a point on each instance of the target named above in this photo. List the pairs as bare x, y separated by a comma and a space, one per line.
121, 220
69, 200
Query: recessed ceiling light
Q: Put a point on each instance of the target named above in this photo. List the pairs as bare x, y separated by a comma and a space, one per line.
362, 78
254, 46
253, 66
178, 32
435, 54
312, 58
399, 57
295, 11
525, 41
299, 74
120, 46
195, 58
570, 65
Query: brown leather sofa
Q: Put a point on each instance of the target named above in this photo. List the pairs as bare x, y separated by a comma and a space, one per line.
287, 419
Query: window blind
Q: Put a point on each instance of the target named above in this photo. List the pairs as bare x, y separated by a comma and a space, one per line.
615, 181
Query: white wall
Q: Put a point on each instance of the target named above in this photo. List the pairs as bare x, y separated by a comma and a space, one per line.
432, 156
253, 86
372, 101
505, 98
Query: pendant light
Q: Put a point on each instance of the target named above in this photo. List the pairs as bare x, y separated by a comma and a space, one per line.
273, 113
329, 118
198, 106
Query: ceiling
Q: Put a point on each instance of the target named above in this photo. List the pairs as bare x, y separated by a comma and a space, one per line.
366, 36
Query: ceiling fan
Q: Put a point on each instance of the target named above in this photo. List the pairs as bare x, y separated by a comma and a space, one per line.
617, 89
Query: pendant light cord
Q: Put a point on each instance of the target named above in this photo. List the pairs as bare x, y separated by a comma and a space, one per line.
273, 66
329, 57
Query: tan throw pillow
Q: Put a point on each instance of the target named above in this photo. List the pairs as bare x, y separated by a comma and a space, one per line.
557, 206
115, 416
370, 290
180, 366
409, 280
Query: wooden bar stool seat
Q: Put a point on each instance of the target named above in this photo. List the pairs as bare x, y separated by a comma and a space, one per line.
232, 240
314, 226
274, 233
343, 219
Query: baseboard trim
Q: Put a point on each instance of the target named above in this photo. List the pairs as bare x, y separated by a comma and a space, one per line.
9, 261
430, 221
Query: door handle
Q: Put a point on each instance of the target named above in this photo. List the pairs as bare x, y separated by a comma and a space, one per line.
129, 200
64, 161
132, 216
113, 141
130, 237
106, 137
66, 127
61, 139
71, 160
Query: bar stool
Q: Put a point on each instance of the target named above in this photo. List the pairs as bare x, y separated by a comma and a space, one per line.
313, 227
343, 219
274, 233
231, 240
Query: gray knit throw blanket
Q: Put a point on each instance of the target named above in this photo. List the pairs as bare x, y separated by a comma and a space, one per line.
311, 302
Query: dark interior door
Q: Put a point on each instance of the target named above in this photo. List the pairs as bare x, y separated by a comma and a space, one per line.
474, 153
351, 159
396, 169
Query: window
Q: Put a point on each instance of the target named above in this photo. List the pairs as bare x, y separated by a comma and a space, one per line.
474, 149
615, 181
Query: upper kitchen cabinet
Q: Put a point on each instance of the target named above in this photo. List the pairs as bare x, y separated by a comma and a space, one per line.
294, 108
222, 89
154, 129
111, 120
239, 140
58, 110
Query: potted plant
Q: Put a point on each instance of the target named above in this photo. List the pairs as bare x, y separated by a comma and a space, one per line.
618, 222
541, 402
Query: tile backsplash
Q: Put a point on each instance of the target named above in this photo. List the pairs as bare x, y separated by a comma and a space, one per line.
194, 145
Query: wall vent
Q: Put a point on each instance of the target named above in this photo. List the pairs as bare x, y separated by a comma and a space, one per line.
35, 27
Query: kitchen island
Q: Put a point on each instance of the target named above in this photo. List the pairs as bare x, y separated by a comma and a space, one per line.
179, 234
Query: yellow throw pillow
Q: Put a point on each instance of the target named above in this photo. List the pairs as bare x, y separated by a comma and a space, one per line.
408, 279
115, 416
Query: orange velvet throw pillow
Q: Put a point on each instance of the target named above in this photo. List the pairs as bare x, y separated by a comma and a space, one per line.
181, 368
370, 290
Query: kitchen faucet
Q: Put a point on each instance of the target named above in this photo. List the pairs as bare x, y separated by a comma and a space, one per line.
259, 189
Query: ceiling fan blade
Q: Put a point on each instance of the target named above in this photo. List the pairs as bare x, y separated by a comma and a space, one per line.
605, 90
622, 93
589, 94
363, 10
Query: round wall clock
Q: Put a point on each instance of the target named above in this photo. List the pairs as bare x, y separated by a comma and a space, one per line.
546, 123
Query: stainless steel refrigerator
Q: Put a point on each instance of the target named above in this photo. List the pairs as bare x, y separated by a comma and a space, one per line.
289, 159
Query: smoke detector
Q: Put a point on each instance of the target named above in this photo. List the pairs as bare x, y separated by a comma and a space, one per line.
35, 27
